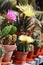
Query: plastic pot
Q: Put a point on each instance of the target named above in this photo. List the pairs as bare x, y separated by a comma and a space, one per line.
8, 52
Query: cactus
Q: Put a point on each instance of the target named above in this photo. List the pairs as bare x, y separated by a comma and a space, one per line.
22, 23
1, 51
10, 39
23, 44
8, 30
25, 47
7, 4
23, 2
37, 43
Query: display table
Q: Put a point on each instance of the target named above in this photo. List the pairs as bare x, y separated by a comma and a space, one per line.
37, 61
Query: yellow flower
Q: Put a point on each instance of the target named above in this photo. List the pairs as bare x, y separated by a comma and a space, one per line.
29, 39
22, 38
28, 10
25, 38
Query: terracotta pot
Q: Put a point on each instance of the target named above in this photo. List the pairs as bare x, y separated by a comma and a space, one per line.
20, 57
6, 63
8, 52
1, 60
36, 51
30, 56
41, 51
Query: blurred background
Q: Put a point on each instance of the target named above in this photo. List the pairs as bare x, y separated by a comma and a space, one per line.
10, 4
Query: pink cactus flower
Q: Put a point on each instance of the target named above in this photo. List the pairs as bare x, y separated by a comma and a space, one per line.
11, 15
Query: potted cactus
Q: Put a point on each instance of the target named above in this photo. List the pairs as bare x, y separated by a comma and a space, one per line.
9, 46
22, 48
30, 54
37, 48
9, 38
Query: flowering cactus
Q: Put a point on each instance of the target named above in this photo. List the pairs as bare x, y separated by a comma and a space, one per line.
11, 15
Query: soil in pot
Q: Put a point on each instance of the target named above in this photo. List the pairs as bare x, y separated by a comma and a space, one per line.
20, 57
8, 52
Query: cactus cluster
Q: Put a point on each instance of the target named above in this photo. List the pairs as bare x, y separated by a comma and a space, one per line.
10, 39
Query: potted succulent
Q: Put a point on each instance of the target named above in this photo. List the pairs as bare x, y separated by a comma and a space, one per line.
9, 46
22, 48
9, 38
30, 54
37, 48
1, 53
41, 50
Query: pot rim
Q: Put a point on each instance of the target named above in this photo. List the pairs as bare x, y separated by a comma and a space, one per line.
22, 52
7, 62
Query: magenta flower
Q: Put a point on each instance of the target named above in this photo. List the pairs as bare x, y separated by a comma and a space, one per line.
11, 15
